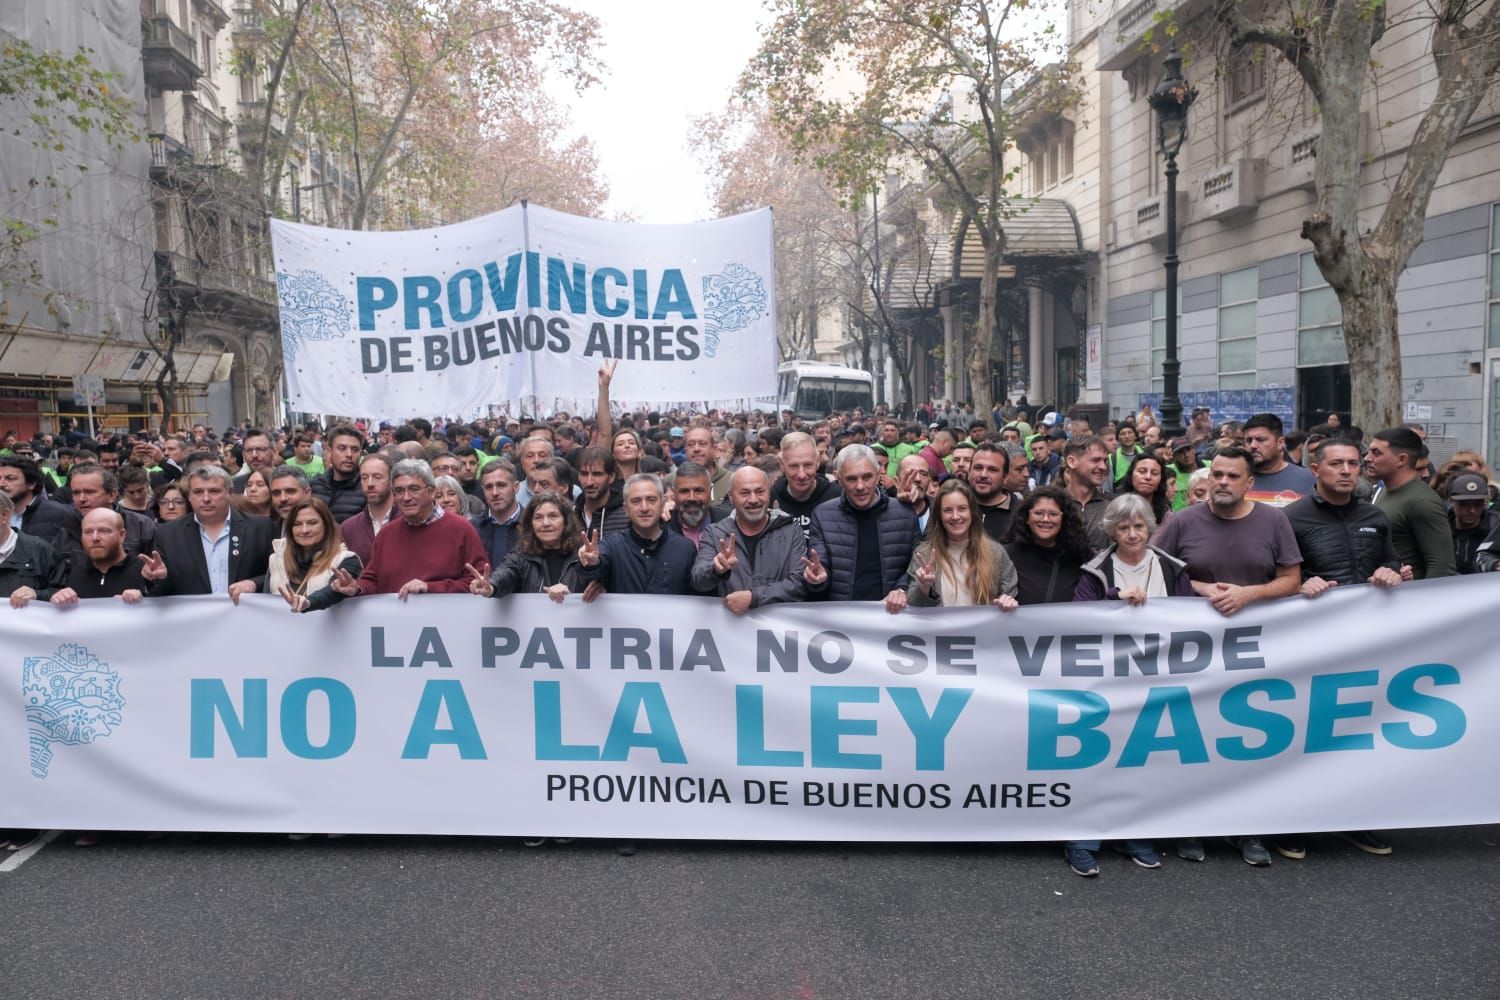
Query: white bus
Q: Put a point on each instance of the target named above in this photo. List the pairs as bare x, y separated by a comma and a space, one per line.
813, 389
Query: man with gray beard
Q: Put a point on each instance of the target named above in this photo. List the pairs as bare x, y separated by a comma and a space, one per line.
692, 488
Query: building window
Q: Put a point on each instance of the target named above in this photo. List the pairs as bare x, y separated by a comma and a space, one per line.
1049, 158
1238, 291
1495, 277
161, 214
1246, 75
1320, 334
1154, 166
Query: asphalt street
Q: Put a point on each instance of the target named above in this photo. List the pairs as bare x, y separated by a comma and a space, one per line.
262, 917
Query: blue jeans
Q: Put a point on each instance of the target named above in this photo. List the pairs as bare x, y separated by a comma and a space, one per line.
1130, 847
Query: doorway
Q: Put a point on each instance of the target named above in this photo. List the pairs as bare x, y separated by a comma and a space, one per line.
1322, 391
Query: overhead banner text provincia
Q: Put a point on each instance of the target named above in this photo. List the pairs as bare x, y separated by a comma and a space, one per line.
522, 304
669, 717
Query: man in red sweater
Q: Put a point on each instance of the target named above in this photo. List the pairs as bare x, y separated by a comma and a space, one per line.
421, 552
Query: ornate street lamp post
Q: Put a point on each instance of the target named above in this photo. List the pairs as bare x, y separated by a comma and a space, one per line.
1171, 100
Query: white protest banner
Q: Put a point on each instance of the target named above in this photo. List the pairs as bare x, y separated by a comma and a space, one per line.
668, 717
527, 302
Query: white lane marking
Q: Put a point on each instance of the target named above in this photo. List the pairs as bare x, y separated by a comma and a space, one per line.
28, 852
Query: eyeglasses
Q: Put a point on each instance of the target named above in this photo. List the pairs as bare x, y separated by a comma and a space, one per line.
171, 502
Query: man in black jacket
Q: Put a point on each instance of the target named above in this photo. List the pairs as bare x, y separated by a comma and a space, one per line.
1470, 518
339, 486
106, 569
801, 487
601, 505
29, 569
216, 551
92, 488
1344, 540
499, 525
862, 542
33, 512
646, 558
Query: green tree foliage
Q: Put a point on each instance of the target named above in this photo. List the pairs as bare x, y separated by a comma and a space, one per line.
863, 87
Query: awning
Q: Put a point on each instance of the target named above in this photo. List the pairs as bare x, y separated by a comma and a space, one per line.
1041, 228
57, 355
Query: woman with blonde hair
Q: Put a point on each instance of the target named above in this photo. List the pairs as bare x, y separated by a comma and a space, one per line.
959, 565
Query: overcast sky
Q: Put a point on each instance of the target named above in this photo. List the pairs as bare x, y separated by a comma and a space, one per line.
668, 61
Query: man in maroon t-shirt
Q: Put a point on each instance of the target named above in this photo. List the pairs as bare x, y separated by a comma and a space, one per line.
1237, 552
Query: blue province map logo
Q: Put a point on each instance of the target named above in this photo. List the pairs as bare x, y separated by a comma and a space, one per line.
731, 301
72, 698
311, 309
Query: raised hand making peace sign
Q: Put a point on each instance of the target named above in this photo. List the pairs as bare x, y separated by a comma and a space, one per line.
344, 583
814, 572
926, 569
727, 557
479, 584
588, 552
152, 568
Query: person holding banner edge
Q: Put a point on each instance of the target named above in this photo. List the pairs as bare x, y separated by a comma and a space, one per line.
426, 551
958, 564
1345, 541
1237, 552
755, 557
1132, 571
544, 559
216, 551
862, 541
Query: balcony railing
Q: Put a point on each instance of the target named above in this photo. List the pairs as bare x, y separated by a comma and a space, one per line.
215, 12
168, 152
216, 280
169, 55
249, 20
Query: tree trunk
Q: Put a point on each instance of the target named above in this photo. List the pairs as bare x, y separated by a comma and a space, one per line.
166, 391
1374, 346
984, 332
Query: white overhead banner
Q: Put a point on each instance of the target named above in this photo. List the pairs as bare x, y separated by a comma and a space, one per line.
668, 717
525, 303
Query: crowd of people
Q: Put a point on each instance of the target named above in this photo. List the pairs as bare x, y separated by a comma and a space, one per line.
748, 509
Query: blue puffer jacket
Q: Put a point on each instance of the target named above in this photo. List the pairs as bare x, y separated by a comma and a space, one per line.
835, 536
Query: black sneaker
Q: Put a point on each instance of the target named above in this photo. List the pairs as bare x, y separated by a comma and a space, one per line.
1190, 849
1293, 848
1252, 851
1082, 862
1367, 841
